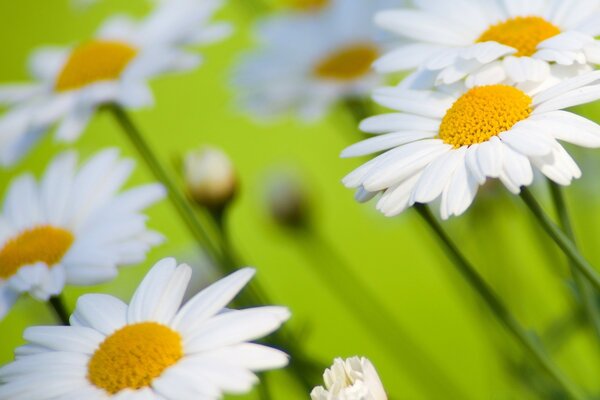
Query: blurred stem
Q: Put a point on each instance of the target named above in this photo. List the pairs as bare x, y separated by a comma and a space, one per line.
561, 239
306, 371
364, 305
584, 289
178, 200
57, 304
529, 343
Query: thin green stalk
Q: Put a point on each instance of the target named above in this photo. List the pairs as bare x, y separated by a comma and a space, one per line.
57, 305
586, 292
375, 316
496, 306
254, 295
561, 239
178, 200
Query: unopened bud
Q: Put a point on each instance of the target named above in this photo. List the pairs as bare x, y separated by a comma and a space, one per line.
287, 201
210, 178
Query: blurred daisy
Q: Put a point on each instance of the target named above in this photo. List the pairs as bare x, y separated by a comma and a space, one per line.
441, 144
503, 39
307, 61
354, 378
150, 349
113, 67
73, 227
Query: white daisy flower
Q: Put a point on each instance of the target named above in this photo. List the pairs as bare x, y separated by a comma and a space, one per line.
354, 378
73, 227
441, 144
307, 61
113, 67
150, 349
505, 39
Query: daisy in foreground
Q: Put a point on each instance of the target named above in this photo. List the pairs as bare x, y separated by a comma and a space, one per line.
113, 67
446, 145
308, 60
513, 39
73, 227
352, 379
150, 349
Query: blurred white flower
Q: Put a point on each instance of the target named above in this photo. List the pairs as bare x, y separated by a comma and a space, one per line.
112, 67
210, 177
73, 227
498, 40
307, 61
153, 348
287, 200
350, 379
446, 145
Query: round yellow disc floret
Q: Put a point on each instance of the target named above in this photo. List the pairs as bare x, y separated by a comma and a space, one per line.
46, 244
94, 61
484, 112
522, 33
349, 63
134, 356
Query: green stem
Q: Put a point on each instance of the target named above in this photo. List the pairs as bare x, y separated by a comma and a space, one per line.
586, 292
561, 239
180, 203
57, 305
493, 302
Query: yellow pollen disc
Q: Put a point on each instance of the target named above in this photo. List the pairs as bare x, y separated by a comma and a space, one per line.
133, 356
308, 5
94, 61
45, 244
484, 112
348, 63
521, 33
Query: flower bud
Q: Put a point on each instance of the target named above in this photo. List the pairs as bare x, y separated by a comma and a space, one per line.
287, 201
210, 178
354, 378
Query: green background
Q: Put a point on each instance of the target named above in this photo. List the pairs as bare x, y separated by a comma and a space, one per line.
396, 258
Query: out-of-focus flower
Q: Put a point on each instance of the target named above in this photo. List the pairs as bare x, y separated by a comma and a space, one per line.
308, 5
150, 349
354, 378
113, 67
306, 62
73, 227
448, 144
210, 177
287, 200
495, 40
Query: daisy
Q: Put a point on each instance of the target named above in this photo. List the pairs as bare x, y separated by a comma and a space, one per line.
307, 61
447, 144
352, 379
150, 349
73, 227
114, 66
506, 39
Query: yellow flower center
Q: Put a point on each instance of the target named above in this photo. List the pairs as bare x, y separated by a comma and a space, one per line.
133, 356
94, 61
348, 63
522, 33
308, 5
45, 244
484, 112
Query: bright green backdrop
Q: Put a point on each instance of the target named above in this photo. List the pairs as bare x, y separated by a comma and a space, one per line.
397, 258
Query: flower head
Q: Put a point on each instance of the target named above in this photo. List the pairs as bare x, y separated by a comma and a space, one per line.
152, 348
510, 40
73, 227
113, 67
306, 62
354, 378
446, 145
